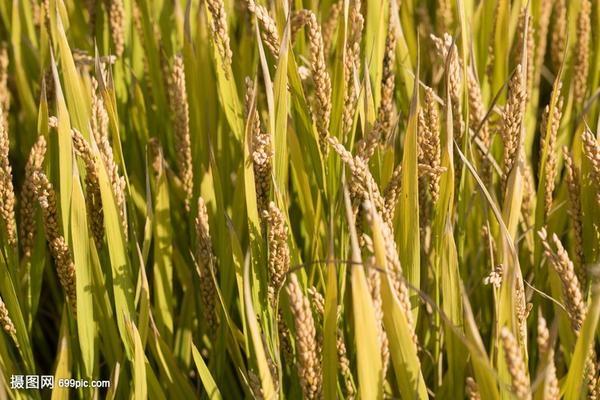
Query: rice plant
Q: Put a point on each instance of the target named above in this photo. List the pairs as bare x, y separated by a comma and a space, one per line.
299, 199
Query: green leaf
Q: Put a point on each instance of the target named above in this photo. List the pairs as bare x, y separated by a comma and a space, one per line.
163, 254
122, 279
65, 153
62, 368
375, 31
482, 367
228, 95
403, 349
368, 346
78, 103
573, 385
86, 322
140, 389
330, 361
207, 380
279, 133
409, 249
21, 78
9, 296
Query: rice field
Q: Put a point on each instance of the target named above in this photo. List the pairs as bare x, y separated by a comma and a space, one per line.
353, 199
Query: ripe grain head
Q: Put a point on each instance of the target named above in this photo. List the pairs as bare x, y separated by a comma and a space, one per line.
206, 267
59, 249
279, 252
309, 360
28, 196
182, 130
220, 34
516, 366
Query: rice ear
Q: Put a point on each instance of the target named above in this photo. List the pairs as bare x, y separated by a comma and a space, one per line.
516, 366
309, 363
5, 320
319, 72
7, 194
58, 246
582, 53
182, 130
117, 22
219, 32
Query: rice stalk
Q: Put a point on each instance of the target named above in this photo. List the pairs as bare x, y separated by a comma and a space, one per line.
591, 149
116, 12
268, 32
574, 212
429, 142
512, 119
394, 268
472, 389
491, 60
478, 124
7, 194
344, 363
330, 24
447, 50
4, 90
382, 129
526, 34
93, 200
443, 16
528, 202
582, 52
91, 6
495, 276
541, 32
516, 366
100, 132
352, 64
99, 116
206, 267
182, 130
5, 320
319, 72
219, 32
262, 151
374, 280
551, 159
308, 361
574, 300
28, 197
361, 182
572, 294
558, 45
279, 253
547, 366
391, 193
59, 249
